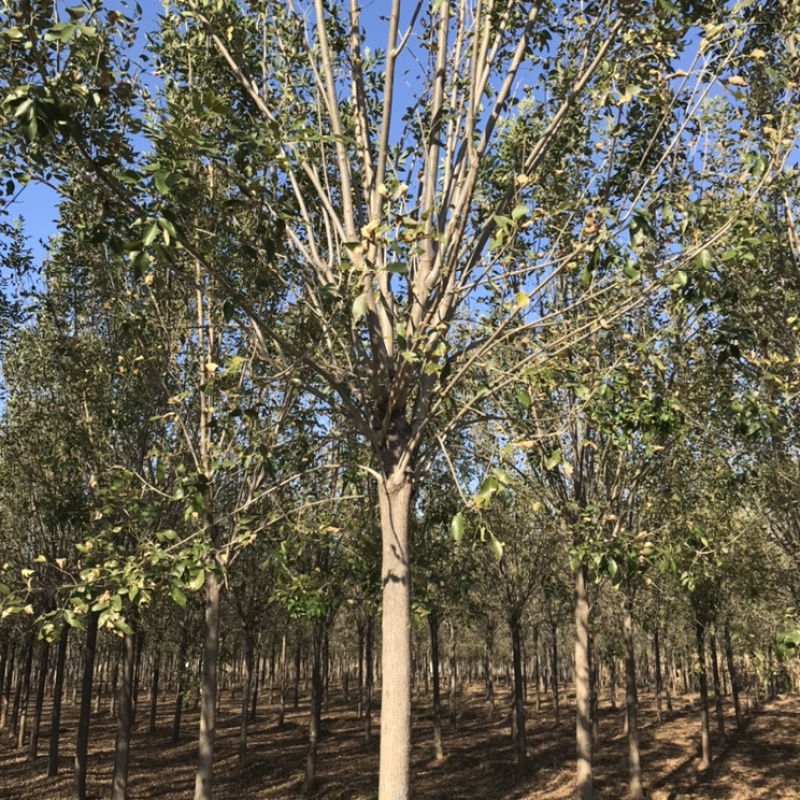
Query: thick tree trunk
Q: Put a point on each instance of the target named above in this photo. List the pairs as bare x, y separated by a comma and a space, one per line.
315, 715
518, 710
705, 738
734, 676
583, 693
636, 791
82, 747
203, 788
119, 790
394, 495
433, 624
33, 745
58, 693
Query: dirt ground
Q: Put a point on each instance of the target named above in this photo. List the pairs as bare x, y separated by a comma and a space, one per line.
761, 761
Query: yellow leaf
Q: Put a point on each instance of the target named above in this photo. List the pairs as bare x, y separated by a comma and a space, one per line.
737, 80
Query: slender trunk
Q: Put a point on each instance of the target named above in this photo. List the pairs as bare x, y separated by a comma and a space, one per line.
554, 674
257, 681
518, 709
180, 691
360, 704
369, 681
282, 710
22, 699
705, 738
315, 715
720, 714
636, 791
246, 689
119, 789
6, 689
151, 727
395, 748
659, 679
433, 624
612, 679
33, 745
733, 676
583, 732
453, 665
296, 699
536, 669
203, 787
82, 747
58, 693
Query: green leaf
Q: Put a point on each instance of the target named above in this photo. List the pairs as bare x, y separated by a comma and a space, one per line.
495, 546
178, 596
554, 460
704, 260
164, 182
228, 310
519, 210
457, 527
679, 280
360, 307
521, 300
150, 233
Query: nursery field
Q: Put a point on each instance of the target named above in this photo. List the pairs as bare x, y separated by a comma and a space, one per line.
761, 761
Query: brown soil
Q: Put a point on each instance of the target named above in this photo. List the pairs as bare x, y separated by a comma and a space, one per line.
761, 761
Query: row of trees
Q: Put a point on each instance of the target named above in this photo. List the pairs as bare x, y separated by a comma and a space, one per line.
518, 281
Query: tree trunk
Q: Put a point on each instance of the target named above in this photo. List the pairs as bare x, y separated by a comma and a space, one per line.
705, 738
5, 700
518, 709
536, 669
58, 693
636, 790
203, 786
583, 723
33, 746
554, 673
153, 716
82, 747
733, 676
395, 751
180, 691
24, 695
659, 679
453, 665
315, 715
433, 624
119, 789
369, 683
250, 647
720, 714
282, 710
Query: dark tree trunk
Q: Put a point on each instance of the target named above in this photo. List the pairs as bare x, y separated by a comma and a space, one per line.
720, 714
659, 681
518, 709
433, 624
5, 699
636, 790
315, 716
22, 698
453, 665
33, 745
82, 747
58, 693
705, 738
119, 790
208, 702
151, 726
368, 683
180, 691
732, 672
250, 649
554, 673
